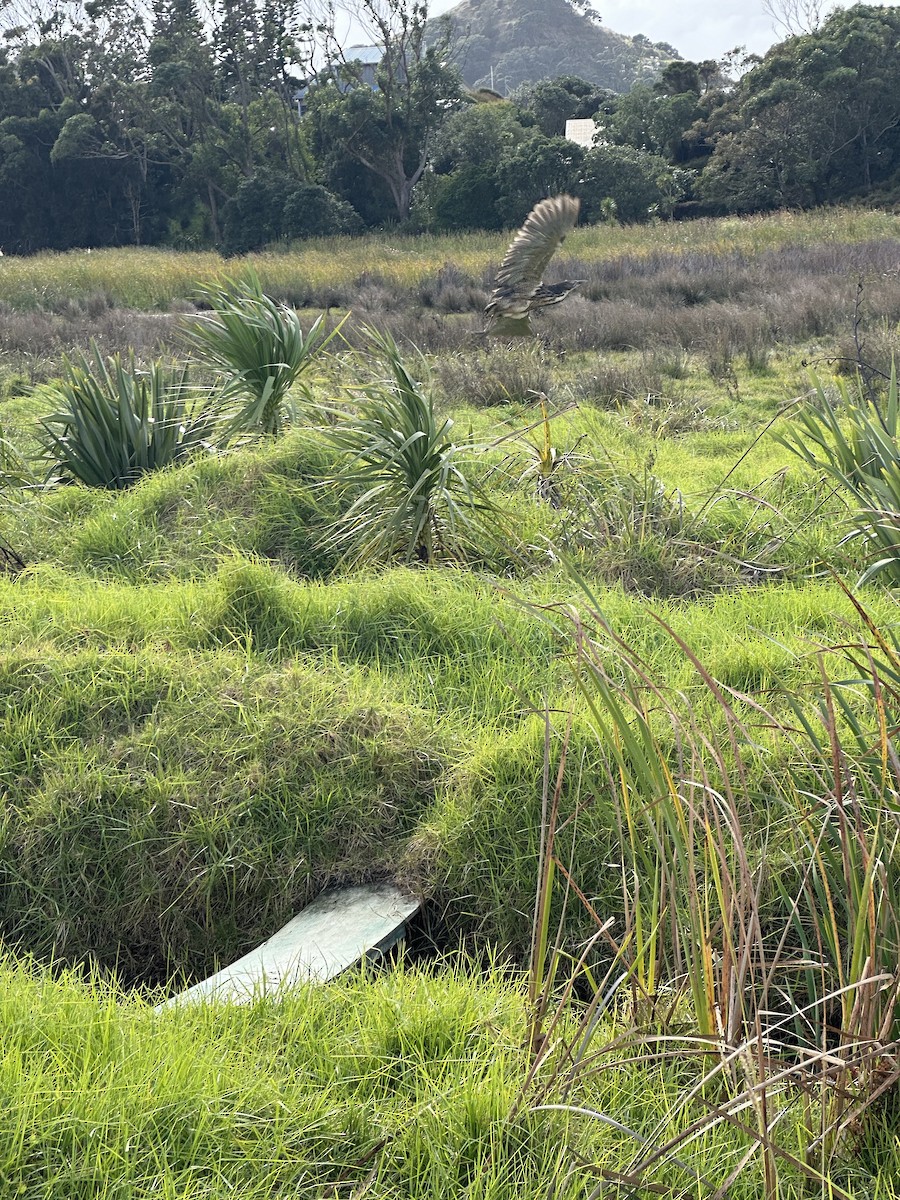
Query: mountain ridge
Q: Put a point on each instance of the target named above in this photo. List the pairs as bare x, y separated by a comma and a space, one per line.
527, 40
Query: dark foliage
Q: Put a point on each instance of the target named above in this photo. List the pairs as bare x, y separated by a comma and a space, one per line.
271, 206
129, 127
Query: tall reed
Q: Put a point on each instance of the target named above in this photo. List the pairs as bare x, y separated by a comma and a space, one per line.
761, 930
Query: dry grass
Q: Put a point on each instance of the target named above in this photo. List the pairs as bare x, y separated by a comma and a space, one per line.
492, 375
729, 290
37, 340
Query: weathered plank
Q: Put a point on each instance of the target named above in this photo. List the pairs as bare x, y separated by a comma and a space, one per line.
332, 933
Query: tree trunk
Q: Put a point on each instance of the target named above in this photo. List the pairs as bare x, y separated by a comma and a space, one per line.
213, 213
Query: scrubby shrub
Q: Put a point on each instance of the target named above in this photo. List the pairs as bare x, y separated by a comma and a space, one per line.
633, 179
466, 198
312, 211
536, 167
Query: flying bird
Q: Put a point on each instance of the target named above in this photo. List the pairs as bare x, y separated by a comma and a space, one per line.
520, 288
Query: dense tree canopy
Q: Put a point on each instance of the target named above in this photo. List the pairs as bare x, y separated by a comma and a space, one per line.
818, 119
386, 124
129, 125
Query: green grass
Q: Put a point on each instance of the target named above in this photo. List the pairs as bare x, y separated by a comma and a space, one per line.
407, 1080
207, 718
183, 768
275, 501
401, 1085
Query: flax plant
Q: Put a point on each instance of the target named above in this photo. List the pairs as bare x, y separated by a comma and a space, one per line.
115, 423
546, 463
260, 347
854, 441
417, 498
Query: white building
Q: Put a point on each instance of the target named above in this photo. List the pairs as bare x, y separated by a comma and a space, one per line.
582, 131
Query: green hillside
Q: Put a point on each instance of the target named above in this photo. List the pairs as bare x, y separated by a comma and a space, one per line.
527, 40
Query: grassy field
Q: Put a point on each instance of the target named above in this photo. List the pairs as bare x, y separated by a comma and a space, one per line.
155, 279
399, 1086
209, 716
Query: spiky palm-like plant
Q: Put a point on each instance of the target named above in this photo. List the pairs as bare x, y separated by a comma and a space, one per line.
417, 499
856, 442
260, 347
115, 423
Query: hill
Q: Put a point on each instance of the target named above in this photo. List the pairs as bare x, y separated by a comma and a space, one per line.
527, 40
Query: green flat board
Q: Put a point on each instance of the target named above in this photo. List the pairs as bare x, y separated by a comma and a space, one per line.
332, 933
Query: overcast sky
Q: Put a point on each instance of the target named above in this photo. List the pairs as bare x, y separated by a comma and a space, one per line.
697, 29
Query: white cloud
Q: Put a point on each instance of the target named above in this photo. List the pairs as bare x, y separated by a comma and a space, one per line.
691, 27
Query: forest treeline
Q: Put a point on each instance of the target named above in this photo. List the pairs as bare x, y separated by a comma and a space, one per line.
122, 125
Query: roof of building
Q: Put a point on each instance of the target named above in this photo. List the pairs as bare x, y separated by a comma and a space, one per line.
364, 54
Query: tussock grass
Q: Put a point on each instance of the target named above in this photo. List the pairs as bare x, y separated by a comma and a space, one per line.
184, 768
163, 812
757, 855
402, 1085
276, 501
151, 278
404, 1082
494, 376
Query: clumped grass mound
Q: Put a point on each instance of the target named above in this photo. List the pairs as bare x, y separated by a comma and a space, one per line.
181, 522
660, 522
482, 843
185, 767
165, 811
402, 1084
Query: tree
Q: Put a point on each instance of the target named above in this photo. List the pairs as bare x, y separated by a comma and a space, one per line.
793, 17
187, 101
679, 76
817, 119
387, 128
535, 168
640, 184
462, 189
60, 185
467, 198
552, 102
653, 120
774, 161
586, 9
479, 135
273, 206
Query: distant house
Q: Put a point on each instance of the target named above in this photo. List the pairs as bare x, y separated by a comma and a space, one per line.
581, 131
368, 56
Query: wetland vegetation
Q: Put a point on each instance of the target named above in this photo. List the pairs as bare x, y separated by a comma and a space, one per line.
625, 718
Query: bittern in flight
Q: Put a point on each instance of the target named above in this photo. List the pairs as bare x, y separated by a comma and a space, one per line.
520, 288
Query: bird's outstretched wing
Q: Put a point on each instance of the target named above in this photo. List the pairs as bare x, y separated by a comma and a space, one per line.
535, 244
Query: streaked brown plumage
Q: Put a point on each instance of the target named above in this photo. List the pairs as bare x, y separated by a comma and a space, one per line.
519, 288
